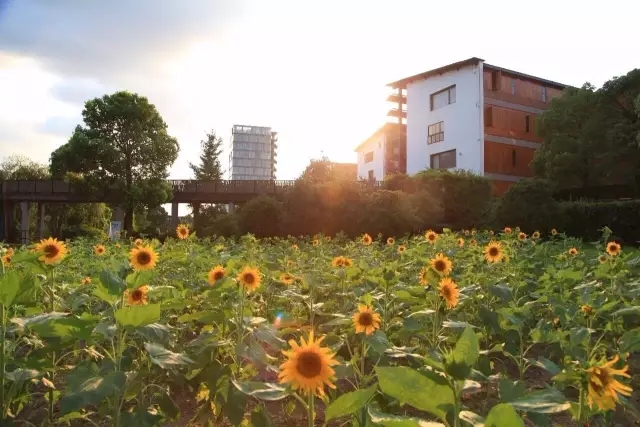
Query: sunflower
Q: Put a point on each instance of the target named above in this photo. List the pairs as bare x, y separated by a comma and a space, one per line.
441, 265
99, 249
460, 242
10, 252
143, 258
308, 367
341, 261
316, 242
613, 248
182, 231
137, 296
467, 232
294, 247
391, 241
573, 252
493, 252
522, 236
586, 309
424, 276
431, 236
366, 320
507, 230
53, 251
86, 281
603, 388
287, 278
138, 242
327, 239
473, 242
402, 249
366, 239
215, 274
554, 231
6, 259
449, 292
535, 235
249, 278
117, 245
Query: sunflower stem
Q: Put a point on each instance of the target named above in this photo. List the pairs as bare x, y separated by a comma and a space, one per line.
2, 362
240, 328
580, 405
311, 409
53, 354
363, 356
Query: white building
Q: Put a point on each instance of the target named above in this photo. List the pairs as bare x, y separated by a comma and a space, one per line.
383, 153
253, 153
467, 115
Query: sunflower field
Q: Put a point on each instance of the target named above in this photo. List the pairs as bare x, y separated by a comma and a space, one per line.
469, 328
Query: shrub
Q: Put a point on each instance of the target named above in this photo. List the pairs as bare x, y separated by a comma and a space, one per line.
585, 218
389, 213
528, 204
261, 216
223, 224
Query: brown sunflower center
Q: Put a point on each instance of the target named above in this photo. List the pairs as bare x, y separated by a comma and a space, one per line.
447, 292
287, 277
137, 295
440, 265
431, 237
365, 319
51, 251
218, 274
493, 251
248, 278
183, 231
309, 364
599, 380
613, 248
143, 257
100, 250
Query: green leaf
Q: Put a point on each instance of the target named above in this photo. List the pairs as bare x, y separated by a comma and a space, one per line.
459, 363
165, 358
93, 391
9, 287
21, 375
262, 391
25, 322
102, 292
472, 418
547, 365
65, 327
206, 317
260, 418
630, 341
510, 390
547, 401
627, 311
139, 278
387, 420
138, 315
503, 415
426, 391
349, 403
501, 291
112, 283
155, 332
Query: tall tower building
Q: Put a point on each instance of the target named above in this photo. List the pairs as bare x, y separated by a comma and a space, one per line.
253, 153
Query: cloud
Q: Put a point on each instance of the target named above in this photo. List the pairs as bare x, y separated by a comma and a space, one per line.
59, 126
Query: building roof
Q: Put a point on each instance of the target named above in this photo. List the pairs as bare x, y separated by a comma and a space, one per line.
387, 127
402, 83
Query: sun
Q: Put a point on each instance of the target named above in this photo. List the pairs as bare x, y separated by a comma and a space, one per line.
249, 278
52, 250
308, 367
365, 320
143, 258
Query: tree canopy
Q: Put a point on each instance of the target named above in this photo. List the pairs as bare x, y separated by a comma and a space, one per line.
209, 167
20, 167
123, 149
591, 137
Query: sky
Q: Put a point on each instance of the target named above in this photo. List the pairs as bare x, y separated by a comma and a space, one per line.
315, 71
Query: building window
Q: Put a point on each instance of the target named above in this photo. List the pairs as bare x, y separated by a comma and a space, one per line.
526, 124
513, 86
371, 176
435, 133
368, 157
444, 160
544, 94
513, 158
443, 98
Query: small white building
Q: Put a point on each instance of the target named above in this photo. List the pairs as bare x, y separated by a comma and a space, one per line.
383, 153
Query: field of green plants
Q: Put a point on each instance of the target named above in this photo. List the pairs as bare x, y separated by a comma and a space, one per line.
446, 329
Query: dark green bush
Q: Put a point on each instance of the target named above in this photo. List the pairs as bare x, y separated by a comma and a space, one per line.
223, 224
528, 204
584, 218
261, 216
389, 213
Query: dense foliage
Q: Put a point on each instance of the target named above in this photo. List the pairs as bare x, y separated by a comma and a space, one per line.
453, 329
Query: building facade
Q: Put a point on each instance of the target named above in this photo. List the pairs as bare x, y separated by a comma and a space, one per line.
383, 153
473, 116
252, 153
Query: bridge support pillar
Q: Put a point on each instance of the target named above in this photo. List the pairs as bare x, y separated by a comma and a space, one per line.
174, 216
231, 207
41, 212
24, 222
196, 216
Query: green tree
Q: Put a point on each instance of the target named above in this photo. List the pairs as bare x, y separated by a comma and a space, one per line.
123, 150
591, 136
21, 167
209, 167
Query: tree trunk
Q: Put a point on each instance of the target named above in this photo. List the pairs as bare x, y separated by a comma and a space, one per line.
128, 220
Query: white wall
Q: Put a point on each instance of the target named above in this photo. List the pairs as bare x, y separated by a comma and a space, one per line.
377, 145
463, 120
